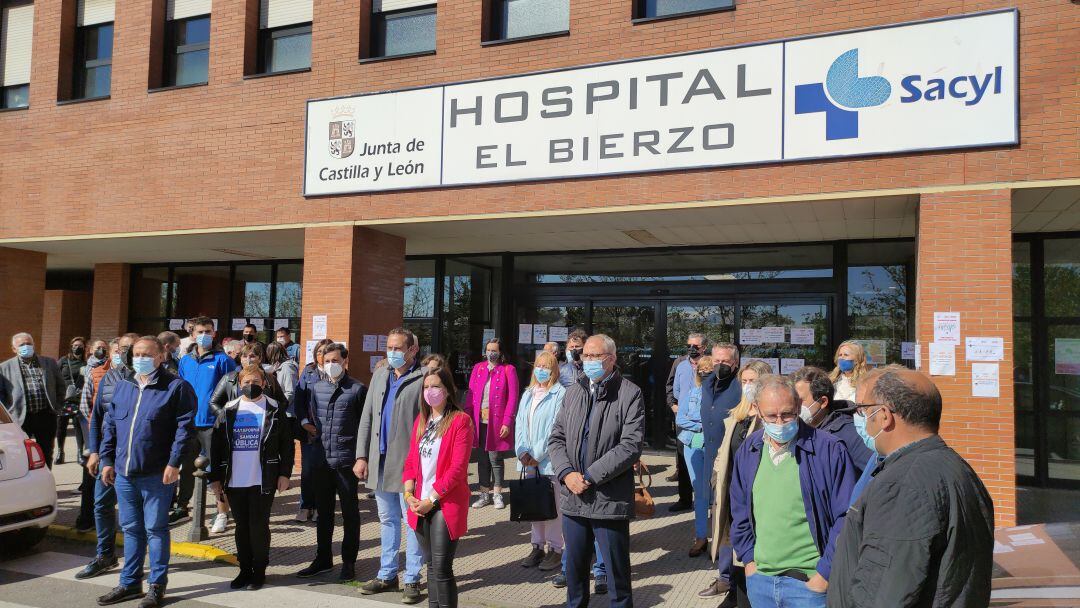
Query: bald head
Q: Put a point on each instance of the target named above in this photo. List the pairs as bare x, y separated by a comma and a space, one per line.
909, 394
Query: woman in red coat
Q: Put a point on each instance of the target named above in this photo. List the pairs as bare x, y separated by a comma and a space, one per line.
436, 480
492, 401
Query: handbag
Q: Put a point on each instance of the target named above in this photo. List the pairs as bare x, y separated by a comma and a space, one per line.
644, 505
532, 498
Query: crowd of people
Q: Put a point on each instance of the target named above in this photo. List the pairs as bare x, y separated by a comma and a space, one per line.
818, 488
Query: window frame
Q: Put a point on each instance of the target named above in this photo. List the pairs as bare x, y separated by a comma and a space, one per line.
84, 65
497, 28
173, 51
380, 18
4, 93
639, 14
266, 45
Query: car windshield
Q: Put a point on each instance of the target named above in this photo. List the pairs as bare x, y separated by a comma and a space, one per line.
5, 417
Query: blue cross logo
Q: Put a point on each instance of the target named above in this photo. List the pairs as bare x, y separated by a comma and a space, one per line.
849, 92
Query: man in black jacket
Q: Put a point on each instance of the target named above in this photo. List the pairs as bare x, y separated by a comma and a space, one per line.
922, 533
834, 417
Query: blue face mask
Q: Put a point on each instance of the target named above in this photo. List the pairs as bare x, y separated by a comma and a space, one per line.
395, 358
143, 365
204, 341
542, 374
845, 365
117, 360
26, 351
594, 370
782, 433
860, 428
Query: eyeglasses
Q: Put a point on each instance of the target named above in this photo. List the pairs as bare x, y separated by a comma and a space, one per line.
780, 418
594, 357
860, 408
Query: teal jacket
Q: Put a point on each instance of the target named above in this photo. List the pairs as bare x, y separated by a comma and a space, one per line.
532, 438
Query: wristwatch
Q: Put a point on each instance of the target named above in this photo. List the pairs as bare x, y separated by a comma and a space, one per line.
434, 501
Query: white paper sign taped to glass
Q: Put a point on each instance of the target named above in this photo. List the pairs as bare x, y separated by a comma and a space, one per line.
940, 84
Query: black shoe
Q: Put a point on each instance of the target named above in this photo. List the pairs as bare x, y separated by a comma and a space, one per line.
119, 594
600, 588
257, 579
316, 568
178, 515
680, 506
559, 582
59, 458
377, 585
411, 593
84, 526
348, 572
99, 564
533, 558
155, 596
241, 580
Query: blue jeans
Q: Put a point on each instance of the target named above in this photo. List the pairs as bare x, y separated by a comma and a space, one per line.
391, 511
725, 562
105, 517
598, 567
781, 592
144, 516
695, 466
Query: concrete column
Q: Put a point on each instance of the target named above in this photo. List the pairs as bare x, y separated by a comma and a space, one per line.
22, 295
965, 266
112, 288
355, 277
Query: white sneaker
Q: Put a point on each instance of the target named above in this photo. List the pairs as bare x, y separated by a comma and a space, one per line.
220, 520
498, 500
483, 501
302, 515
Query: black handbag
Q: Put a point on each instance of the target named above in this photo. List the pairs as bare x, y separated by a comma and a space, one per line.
532, 499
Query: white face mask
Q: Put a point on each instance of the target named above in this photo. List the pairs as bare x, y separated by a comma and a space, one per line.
806, 414
333, 370
283, 341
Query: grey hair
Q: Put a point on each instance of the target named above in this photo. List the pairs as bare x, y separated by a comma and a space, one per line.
779, 384
699, 336
728, 346
19, 336
609, 344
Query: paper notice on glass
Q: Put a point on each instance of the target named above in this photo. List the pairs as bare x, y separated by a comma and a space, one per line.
942, 359
947, 327
215, 324
382, 343
539, 334
558, 333
985, 380
280, 323
524, 333
374, 362
985, 349
310, 351
918, 356
489, 335
802, 335
1067, 357
371, 343
907, 351
318, 327
176, 324
750, 337
259, 323
790, 366
238, 324
772, 335
773, 363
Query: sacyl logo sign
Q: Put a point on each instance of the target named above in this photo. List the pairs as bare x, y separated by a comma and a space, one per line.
847, 92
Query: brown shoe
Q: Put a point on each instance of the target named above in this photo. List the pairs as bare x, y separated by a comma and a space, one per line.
715, 588
698, 547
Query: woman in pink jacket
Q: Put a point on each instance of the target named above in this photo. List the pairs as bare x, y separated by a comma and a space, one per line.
436, 480
492, 401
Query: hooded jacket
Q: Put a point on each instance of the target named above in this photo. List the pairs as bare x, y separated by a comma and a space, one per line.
204, 373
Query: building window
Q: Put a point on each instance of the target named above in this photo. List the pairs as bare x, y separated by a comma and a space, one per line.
879, 289
406, 31
187, 49
93, 63
16, 30
526, 18
284, 35
647, 9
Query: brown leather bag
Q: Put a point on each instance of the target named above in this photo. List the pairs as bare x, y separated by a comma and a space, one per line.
644, 506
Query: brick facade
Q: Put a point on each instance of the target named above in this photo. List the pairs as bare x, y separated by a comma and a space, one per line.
22, 295
112, 287
67, 315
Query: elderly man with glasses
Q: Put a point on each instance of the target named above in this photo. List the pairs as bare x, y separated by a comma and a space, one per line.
790, 488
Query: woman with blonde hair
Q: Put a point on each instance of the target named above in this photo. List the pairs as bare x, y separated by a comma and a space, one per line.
540, 402
851, 364
742, 421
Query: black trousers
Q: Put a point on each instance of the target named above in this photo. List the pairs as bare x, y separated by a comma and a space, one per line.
251, 514
329, 482
41, 427
686, 489
61, 434
438, 550
86, 499
186, 488
613, 537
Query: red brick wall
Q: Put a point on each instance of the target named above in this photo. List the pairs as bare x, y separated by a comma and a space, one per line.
205, 153
965, 266
112, 286
67, 314
22, 295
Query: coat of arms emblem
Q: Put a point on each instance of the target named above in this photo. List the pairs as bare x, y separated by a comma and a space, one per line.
342, 133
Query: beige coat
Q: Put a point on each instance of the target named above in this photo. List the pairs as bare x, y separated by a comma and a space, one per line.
721, 477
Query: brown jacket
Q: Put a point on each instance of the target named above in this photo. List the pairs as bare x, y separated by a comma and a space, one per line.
721, 477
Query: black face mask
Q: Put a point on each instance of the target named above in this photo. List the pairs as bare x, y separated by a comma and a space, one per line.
693, 351
723, 371
249, 337
576, 352
252, 391
78, 351
99, 353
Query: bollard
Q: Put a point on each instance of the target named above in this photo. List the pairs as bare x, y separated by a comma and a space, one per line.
199, 532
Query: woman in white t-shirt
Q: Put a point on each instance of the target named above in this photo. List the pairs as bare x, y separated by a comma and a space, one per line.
850, 365
251, 458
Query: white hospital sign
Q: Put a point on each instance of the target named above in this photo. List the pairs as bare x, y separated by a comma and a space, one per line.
948, 83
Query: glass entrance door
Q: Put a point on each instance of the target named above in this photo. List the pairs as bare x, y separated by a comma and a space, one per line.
805, 326
633, 327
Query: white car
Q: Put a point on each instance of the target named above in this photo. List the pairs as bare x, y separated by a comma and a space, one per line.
27, 487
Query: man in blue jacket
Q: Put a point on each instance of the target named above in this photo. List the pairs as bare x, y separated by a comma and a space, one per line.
790, 489
202, 368
834, 417
147, 426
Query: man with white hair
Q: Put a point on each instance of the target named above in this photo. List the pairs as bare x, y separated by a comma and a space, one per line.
33, 391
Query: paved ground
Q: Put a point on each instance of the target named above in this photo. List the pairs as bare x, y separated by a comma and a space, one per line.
487, 560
